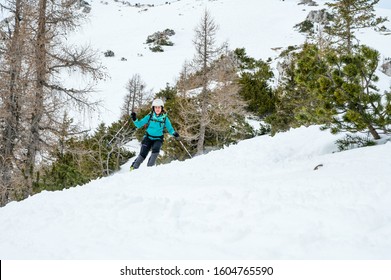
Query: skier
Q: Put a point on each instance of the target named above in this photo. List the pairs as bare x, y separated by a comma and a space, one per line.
155, 122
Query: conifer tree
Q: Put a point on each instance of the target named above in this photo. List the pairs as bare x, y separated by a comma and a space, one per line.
297, 96
335, 89
255, 79
84, 158
348, 17
335, 84
350, 91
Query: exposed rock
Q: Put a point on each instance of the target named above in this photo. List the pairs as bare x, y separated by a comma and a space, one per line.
85, 5
319, 16
308, 3
386, 67
159, 39
314, 18
109, 53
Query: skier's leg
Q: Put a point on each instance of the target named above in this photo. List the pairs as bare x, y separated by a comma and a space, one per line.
157, 144
152, 159
146, 145
139, 160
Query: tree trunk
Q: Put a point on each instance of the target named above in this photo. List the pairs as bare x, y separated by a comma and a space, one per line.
10, 134
201, 139
38, 105
205, 45
374, 133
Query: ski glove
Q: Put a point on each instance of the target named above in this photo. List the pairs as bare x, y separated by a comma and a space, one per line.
176, 135
133, 115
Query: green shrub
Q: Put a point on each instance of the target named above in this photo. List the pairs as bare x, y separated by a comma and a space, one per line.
351, 142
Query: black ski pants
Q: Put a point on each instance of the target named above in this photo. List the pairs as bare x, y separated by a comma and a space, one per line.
149, 144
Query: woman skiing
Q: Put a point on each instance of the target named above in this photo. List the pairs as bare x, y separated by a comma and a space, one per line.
155, 122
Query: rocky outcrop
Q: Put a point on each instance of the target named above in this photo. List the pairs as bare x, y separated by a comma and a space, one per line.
319, 16
386, 67
308, 3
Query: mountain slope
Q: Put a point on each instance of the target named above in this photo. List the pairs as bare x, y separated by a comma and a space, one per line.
263, 28
259, 199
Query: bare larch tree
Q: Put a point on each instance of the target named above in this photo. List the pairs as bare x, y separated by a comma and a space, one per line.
33, 95
206, 53
136, 95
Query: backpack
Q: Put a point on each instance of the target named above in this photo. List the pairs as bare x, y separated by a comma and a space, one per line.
163, 121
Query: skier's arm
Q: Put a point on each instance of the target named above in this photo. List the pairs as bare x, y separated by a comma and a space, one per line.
143, 121
169, 127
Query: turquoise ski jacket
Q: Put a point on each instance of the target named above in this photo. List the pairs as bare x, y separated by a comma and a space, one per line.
156, 125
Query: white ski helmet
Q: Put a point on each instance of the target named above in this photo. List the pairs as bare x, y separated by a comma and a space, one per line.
157, 103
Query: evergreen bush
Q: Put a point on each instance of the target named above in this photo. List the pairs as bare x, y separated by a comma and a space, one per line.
351, 142
83, 159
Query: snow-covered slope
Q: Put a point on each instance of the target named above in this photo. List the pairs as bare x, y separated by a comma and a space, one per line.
258, 26
263, 27
259, 199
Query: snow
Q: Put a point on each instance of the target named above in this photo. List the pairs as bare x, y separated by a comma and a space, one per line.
384, 4
126, 28
265, 28
259, 199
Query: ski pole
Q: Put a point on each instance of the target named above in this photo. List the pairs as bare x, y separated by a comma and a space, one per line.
185, 149
108, 144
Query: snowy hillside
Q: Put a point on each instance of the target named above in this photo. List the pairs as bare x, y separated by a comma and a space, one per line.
126, 28
263, 27
259, 199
